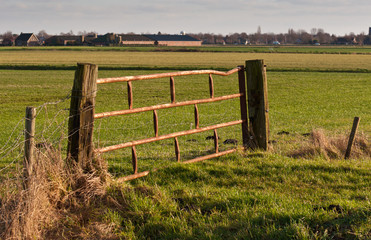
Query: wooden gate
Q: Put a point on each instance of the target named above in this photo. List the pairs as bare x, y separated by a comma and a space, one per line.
82, 113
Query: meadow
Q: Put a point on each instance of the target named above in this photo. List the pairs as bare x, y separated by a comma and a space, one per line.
325, 49
183, 60
249, 195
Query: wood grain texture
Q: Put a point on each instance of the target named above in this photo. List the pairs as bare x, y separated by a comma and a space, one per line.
130, 95
197, 117
134, 159
167, 136
177, 150
257, 89
29, 145
352, 137
81, 121
172, 89
243, 107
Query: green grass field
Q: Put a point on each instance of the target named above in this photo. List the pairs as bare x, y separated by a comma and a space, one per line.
246, 195
326, 49
188, 60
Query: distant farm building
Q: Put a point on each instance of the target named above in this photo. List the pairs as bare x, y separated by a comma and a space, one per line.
70, 40
27, 39
64, 40
345, 41
109, 39
134, 39
112, 39
160, 40
174, 40
8, 41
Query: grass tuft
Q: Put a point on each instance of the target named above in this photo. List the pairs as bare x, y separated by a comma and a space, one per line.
57, 200
332, 148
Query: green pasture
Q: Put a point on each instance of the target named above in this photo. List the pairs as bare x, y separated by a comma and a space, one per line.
39, 59
299, 102
247, 195
325, 49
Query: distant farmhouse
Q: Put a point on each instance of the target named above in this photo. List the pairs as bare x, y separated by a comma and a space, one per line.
7, 41
134, 39
174, 40
64, 40
160, 40
70, 40
27, 39
109, 39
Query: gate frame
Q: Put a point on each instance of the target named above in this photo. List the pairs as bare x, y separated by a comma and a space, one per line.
82, 112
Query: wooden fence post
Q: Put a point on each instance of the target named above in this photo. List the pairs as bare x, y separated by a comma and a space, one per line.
352, 137
81, 122
257, 89
243, 106
29, 145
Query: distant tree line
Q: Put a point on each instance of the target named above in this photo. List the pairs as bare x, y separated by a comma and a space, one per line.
315, 36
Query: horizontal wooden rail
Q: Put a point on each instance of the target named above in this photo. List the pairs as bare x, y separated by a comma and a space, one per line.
167, 136
163, 106
199, 159
164, 75
134, 176
214, 155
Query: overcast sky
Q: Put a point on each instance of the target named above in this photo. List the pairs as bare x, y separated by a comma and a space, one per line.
192, 16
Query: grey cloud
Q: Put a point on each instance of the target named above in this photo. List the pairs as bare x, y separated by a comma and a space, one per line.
198, 15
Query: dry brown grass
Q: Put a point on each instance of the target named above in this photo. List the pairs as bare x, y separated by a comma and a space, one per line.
62, 201
59, 202
332, 147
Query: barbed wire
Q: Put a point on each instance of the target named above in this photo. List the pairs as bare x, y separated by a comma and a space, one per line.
12, 151
52, 125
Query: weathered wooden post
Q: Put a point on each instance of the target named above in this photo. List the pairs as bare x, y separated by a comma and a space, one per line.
243, 106
81, 122
352, 137
257, 89
29, 145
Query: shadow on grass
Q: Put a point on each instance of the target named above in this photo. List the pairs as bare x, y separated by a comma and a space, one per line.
264, 226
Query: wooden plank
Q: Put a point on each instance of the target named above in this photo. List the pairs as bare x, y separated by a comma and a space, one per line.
197, 117
211, 86
164, 75
352, 137
258, 102
133, 176
81, 121
145, 173
134, 159
155, 122
164, 106
172, 90
177, 150
243, 106
29, 145
216, 141
130, 95
219, 154
167, 136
